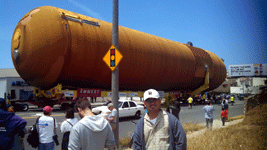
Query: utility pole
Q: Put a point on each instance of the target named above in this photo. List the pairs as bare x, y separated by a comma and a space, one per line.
115, 73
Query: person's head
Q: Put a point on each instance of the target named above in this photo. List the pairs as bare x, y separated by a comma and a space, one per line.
152, 100
70, 113
82, 106
208, 102
47, 110
10, 108
110, 106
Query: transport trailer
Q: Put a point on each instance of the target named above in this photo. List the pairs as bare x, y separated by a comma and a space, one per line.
42, 98
23, 105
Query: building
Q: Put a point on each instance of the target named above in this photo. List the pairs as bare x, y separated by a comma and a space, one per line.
241, 85
244, 79
248, 85
12, 86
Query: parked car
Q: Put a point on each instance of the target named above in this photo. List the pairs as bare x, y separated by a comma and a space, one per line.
127, 108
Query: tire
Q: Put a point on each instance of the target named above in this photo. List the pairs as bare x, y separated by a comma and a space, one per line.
65, 106
25, 107
137, 114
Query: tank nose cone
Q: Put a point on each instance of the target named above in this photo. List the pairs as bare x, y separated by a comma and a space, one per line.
39, 45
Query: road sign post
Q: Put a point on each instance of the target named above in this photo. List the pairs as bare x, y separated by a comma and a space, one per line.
115, 73
112, 59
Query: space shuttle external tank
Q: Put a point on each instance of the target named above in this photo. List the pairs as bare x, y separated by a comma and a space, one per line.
51, 45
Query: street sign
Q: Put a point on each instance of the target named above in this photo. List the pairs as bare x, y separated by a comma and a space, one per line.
112, 58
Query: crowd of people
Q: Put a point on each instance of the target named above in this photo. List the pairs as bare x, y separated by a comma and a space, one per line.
91, 132
174, 107
157, 129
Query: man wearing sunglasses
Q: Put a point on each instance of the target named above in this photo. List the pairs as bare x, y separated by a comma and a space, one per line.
158, 129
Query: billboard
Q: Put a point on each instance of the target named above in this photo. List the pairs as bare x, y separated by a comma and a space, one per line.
88, 92
248, 70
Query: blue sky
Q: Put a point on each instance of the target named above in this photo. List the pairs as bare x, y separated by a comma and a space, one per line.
234, 30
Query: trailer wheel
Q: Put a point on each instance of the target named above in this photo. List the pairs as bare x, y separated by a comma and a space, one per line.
25, 107
65, 106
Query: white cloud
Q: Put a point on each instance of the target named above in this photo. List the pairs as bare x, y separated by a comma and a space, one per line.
87, 10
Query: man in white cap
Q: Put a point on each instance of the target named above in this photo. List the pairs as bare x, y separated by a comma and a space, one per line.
46, 126
158, 129
112, 117
96, 111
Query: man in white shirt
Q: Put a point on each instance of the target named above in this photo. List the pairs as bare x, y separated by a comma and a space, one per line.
46, 127
209, 114
112, 117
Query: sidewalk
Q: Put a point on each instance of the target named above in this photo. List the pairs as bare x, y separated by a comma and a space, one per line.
216, 124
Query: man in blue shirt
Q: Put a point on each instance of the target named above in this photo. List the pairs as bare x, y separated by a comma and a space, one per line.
10, 125
209, 114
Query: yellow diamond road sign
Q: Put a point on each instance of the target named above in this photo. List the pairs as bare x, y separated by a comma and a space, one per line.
112, 57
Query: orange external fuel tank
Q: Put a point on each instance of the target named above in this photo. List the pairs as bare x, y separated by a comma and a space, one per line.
51, 45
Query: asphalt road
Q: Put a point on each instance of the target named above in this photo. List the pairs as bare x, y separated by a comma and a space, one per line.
197, 115
126, 125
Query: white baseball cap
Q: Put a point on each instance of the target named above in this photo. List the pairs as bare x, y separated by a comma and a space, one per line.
151, 93
96, 111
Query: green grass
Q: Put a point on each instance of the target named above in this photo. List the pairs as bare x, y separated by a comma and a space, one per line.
235, 118
251, 134
191, 127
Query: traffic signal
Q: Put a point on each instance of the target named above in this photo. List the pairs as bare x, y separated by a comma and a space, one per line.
112, 57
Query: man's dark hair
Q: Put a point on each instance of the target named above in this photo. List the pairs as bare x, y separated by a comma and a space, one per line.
208, 102
46, 113
70, 113
83, 104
